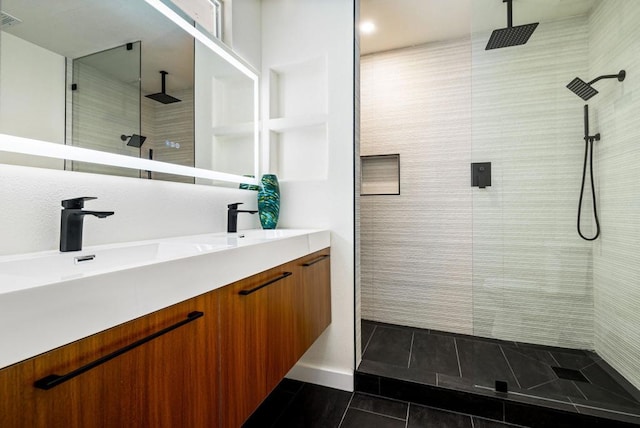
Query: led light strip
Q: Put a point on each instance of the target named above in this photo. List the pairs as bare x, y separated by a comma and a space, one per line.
176, 19
27, 146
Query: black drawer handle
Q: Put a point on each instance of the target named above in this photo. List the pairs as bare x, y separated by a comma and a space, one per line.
253, 290
54, 380
314, 261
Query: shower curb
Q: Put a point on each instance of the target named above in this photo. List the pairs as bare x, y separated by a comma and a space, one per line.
492, 405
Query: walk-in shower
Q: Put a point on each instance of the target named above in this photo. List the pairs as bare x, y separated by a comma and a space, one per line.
586, 91
482, 290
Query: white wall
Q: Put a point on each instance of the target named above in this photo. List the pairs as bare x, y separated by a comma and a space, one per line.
104, 107
246, 26
32, 105
144, 209
293, 32
614, 43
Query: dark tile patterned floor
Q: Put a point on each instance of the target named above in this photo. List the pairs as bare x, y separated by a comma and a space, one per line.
565, 379
296, 404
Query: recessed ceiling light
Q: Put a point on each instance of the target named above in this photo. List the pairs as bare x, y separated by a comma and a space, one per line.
367, 27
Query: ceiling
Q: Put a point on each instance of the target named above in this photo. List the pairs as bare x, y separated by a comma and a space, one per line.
402, 23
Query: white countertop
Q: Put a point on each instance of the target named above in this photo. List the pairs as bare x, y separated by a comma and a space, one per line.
46, 300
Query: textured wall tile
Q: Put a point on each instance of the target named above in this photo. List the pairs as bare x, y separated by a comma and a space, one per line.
416, 247
614, 43
104, 108
501, 262
531, 272
110, 107
172, 122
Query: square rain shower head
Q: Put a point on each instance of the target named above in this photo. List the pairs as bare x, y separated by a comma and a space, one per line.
511, 36
136, 140
582, 88
163, 98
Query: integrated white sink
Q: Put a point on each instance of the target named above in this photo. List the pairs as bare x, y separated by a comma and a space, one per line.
49, 299
239, 239
38, 269
32, 270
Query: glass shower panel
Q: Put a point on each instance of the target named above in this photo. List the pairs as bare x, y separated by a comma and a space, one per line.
535, 280
106, 105
532, 274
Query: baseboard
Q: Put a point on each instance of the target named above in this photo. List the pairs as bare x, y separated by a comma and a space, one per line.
338, 379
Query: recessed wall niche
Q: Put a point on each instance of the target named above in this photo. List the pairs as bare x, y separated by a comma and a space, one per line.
380, 174
298, 144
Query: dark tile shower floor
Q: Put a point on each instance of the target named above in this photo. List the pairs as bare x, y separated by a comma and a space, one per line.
565, 379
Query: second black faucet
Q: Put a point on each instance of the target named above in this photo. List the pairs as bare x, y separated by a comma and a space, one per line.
232, 216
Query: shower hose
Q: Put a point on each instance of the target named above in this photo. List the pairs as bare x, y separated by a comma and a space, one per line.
588, 154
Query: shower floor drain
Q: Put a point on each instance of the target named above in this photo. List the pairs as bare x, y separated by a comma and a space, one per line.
570, 374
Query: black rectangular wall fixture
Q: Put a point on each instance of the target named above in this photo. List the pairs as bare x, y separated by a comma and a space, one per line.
481, 174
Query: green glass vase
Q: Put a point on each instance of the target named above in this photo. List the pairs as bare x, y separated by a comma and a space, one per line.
269, 201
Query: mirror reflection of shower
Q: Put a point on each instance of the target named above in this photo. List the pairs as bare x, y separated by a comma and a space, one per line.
104, 89
134, 140
107, 88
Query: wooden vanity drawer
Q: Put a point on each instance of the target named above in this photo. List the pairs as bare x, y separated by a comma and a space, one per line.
167, 381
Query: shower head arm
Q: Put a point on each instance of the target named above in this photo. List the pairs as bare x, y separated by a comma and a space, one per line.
620, 76
509, 12
164, 81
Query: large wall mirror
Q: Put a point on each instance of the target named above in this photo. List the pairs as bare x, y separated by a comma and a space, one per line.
124, 87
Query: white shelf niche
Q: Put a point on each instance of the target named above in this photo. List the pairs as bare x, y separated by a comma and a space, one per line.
299, 90
297, 120
232, 100
238, 129
224, 154
300, 153
291, 123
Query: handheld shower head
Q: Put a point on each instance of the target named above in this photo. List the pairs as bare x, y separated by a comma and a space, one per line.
585, 91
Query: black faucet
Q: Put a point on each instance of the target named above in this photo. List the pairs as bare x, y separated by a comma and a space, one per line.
232, 216
71, 223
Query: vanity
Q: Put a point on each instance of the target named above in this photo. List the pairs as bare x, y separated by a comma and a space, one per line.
195, 332
192, 331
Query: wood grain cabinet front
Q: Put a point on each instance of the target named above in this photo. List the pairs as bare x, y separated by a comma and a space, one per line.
159, 370
267, 322
315, 307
